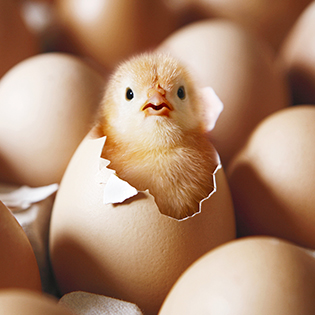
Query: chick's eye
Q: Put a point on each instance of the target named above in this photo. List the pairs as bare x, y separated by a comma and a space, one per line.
129, 94
181, 92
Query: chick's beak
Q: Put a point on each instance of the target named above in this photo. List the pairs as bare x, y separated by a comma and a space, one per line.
157, 104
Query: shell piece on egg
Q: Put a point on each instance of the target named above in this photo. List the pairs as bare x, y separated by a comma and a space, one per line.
47, 105
129, 250
273, 178
257, 275
18, 266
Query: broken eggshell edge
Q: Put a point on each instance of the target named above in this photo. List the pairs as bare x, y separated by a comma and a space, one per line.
117, 190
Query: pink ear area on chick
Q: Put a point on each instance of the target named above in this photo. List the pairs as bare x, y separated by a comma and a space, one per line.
213, 107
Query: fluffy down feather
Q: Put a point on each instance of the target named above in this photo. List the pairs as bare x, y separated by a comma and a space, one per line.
158, 145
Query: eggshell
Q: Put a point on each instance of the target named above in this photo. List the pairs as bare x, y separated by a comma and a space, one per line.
16, 40
130, 250
272, 179
18, 266
298, 57
47, 105
266, 19
241, 70
256, 275
110, 31
25, 302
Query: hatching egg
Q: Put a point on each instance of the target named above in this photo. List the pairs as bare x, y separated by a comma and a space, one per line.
127, 250
110, 31
16, 40
47, 105
273, 177
18, 266
241, 70
257, 275
298, 57
25, 302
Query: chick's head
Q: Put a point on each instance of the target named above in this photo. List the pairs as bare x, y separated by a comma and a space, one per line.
151, 96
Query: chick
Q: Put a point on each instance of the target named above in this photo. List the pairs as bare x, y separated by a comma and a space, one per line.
154, 120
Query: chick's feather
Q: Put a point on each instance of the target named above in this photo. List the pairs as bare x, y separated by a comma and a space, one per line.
170, 156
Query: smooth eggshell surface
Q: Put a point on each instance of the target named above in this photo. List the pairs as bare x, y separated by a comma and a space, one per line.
129, 251
110, 31
16, 40
266, 19
18, 266
241, 70
257, 275
298, 57
273, 178
47, 105
23, 302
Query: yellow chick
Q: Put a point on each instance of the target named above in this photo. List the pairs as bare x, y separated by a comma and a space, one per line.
156, 128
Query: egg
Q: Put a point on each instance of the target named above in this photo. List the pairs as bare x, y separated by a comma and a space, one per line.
272, 178
266, 19
110, 31
24, 302
16, 40
241, 70
47, 105
127, 250
257, 275
18, 266
298, 57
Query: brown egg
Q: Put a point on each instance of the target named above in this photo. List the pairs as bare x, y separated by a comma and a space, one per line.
110, 31
47, 105
241, 70
266, 19
298, 57
257, 275
18, 266
16, 41
23, 302
273, 177
127, 250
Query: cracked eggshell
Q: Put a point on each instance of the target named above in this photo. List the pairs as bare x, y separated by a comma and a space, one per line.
47, 105
130, 250
18, 266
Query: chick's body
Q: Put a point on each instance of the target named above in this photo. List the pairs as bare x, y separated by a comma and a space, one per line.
152, 116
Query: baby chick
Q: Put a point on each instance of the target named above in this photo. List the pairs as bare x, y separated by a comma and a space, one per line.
154, 120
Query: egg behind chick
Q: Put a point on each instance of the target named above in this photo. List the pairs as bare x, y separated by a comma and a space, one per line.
242, 71
110, 31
